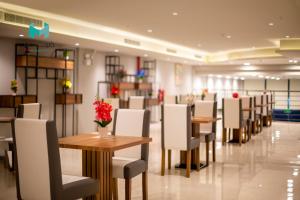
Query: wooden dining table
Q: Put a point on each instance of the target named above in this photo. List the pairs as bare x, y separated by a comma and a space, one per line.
97, 153
196, 121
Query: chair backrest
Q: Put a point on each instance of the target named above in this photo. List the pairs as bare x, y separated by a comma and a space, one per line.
176, 126
265, 103
270, 101
170, 99
211, 96
29, 111
246, 104
115, 103
232, 113
258, 101
132, 122
206, 109
137, 102
38, 165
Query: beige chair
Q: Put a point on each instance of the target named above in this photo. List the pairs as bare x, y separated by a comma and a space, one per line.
207, 131
211, 96
259, 110
177, 134
137, 102
38, 167
233, 119
115, 103
247, 115
270, 108
170, 99
133, 161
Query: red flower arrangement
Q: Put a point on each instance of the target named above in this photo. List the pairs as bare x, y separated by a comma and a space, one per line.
235, 95
114, 91
103, 109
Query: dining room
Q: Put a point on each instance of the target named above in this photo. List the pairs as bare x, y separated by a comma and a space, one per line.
105, 100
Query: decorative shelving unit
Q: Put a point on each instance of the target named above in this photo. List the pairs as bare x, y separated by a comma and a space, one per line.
27, 57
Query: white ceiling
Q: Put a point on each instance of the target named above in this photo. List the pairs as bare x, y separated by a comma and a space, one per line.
204, 22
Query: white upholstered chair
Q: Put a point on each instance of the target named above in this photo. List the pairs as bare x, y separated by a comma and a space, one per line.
137, 102
38, 166
210, 96
133, 161
177, 134
170, 99
26, 111
259, 112
115, 103
207, 131
247, 115
233, 119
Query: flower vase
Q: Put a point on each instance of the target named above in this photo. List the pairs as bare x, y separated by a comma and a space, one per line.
103, 131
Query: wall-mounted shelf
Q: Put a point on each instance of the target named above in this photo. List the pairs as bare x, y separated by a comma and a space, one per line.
68, 99
44, 62
13, 101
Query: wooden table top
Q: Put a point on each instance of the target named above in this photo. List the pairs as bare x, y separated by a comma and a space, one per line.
92, 142
198, 120
6, 119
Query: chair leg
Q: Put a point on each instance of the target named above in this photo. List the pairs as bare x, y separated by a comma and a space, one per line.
207, 153
240, 136
145, 185
197, 160
127, 189
169, 158
188, 163
115, 188
163, 162
214, 150
224, 136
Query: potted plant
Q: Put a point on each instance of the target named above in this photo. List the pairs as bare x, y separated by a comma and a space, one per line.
235, 95
140, 75
103, 116
67, 85
14, 86
204, 93
114, 91
121, 74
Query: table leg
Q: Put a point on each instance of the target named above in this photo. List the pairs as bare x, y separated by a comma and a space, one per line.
98, 165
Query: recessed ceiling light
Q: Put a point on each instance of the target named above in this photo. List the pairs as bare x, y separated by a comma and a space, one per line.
77, 44
277, 79
21, 35
295, 61
175, 13
149, 31
290, 61
267, 77
228, 77
272, 78
236, 77
146, 55
247, 64
260, 76
271, 24
116, 50
287, 36
242, 78
228, 36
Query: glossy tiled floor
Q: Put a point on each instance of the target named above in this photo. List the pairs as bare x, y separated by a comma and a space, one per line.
265, 168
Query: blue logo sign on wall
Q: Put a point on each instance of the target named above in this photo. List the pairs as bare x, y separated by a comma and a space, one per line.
33, 31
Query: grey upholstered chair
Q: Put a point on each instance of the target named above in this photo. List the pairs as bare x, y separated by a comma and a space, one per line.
177, 134
233, 119
133, 161
247, 115
28, 111
137, 102
38, 165
211, 96
207, 131
259, 110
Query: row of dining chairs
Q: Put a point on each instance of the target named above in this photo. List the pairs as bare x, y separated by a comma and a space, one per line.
246, 116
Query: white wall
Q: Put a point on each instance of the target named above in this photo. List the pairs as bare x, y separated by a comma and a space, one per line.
254, 84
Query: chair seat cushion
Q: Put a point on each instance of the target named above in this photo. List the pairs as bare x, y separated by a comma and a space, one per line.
195, 142
128, 167
76, 187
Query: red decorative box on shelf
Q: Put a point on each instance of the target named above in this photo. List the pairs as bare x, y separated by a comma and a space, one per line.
68, 98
